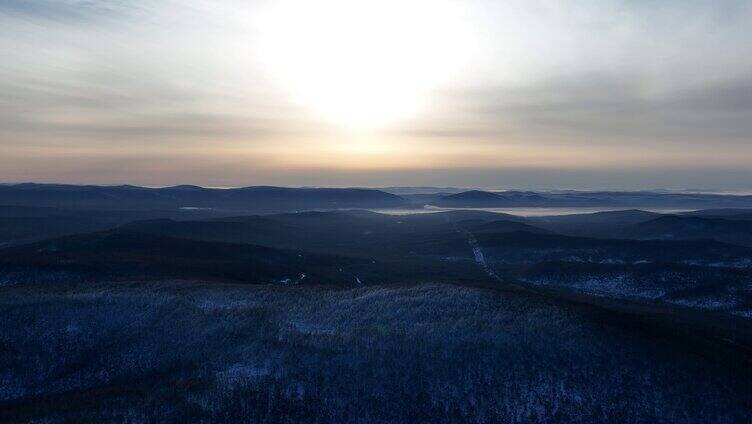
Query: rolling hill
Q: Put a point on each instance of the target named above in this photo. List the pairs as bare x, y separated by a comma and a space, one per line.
124, 255
674, 227
249, 199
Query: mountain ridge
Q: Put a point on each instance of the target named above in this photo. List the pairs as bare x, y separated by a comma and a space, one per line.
251, 198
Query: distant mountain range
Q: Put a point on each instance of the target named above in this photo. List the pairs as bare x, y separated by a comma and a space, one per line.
265, 199
477, 198
510, 199
250, 199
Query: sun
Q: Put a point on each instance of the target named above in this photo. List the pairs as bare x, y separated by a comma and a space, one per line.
359, 63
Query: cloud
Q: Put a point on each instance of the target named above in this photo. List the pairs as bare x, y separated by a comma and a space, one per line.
658, 79
73, 12
597, 109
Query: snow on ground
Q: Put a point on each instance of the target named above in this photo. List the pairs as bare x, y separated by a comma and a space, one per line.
711, 303
746, 313
239, 373
620, 285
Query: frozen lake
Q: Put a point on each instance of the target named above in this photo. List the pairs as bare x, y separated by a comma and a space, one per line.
527, 211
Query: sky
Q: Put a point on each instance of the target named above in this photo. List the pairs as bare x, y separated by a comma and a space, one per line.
523, 94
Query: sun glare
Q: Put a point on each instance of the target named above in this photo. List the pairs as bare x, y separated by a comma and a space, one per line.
359, 63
